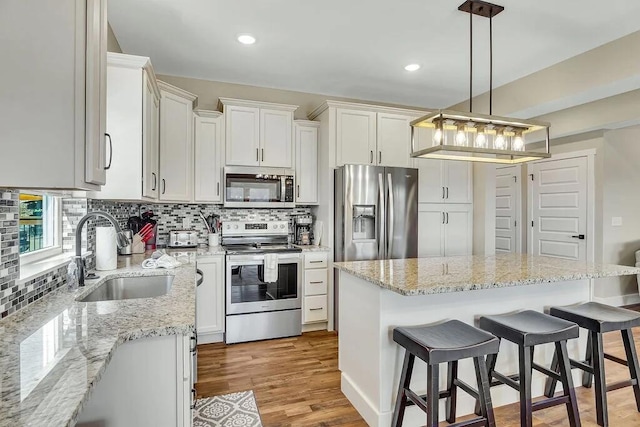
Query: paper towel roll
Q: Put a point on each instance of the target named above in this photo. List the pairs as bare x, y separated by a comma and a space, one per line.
106, 248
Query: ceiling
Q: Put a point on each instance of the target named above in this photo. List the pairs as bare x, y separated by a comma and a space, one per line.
358, 48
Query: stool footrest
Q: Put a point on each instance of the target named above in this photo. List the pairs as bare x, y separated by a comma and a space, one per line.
546, 371
581, 365
621, 384
414, 399
615, 359
475, 422
547, 403
511, 380
467, 388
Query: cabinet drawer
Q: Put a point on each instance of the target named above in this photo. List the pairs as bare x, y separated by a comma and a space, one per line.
315, 260
315, 309
315, 282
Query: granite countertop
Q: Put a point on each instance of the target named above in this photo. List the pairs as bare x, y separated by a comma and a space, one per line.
54, 351
423, 276
313, 248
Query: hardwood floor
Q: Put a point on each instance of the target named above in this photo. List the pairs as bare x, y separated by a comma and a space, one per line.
297, 383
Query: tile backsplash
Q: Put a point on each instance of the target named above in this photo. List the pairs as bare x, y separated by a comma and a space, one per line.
9, 251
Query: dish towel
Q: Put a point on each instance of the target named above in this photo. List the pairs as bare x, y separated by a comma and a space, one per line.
270, 268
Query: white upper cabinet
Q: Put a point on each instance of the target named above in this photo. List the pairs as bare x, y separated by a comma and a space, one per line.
258, 133
209, 136
394, 140
306, 162
444, 181
132, 123
356, 137
55, 53
176, 143
243, 135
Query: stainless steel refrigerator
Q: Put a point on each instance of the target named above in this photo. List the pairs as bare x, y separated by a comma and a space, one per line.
376, 215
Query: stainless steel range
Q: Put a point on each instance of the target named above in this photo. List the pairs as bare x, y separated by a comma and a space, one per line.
263, 281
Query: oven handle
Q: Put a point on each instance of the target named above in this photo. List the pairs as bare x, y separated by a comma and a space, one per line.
252, 259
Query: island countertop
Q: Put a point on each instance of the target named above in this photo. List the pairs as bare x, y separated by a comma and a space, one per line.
54, 351
423, 276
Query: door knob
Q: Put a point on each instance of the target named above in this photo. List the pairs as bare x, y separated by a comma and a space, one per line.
579, 236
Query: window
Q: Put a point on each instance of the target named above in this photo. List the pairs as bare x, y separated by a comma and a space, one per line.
40, 226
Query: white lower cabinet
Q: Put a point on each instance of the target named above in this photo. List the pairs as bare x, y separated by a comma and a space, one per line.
148, 382
315, 279
445, 230
210, 300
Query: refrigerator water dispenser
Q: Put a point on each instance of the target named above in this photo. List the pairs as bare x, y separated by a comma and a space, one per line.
364, 222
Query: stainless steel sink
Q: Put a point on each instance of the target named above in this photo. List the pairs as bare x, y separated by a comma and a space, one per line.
131, 287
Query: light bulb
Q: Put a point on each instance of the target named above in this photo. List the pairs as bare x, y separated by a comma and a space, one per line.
518, 143
481, 139
461, 137
500, 142
437, 137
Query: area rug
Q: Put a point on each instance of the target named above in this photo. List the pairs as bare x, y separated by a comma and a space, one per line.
228, 410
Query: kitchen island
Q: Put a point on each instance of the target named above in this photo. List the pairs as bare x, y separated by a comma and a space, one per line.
377, 296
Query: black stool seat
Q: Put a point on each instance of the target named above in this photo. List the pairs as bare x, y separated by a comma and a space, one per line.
598, 317
529, 328
445, 342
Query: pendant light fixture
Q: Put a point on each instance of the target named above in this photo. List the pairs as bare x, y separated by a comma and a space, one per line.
479, 137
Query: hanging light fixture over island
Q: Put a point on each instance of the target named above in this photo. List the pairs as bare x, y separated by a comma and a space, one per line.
474, 137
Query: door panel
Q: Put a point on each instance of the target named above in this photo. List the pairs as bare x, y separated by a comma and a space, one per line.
431, 188
458, 230
276, 131
393, 140
356, 137
208, 174
306, 165
176, 148
507, 200
457, 181
559, 208
431, 218
242, 135
402, 213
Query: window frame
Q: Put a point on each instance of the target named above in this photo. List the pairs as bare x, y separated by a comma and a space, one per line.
56, 248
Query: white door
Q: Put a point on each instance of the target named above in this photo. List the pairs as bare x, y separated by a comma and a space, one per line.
355, 137
276, 138
242, 126
210, 298
458, 231
431, 187
457, 181
150, 141
507, 209
559, 208
208, 169
393, 140
176, 148
431, 222
306, 165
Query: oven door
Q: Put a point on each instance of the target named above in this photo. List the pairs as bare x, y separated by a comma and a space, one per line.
247, 292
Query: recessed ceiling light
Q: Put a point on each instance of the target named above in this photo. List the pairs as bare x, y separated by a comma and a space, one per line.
246, 39
412, 67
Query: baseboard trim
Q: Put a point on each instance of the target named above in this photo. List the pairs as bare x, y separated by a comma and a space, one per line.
311, 327
619, 300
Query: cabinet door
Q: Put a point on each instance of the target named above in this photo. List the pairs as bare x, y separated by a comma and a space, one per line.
242, 126
457, 181
210, 297
96, 155
176, 147
151, 142
355, 137
276, 142
431, 219
393, 140
208, 168
458, 230
431, 188
306, 165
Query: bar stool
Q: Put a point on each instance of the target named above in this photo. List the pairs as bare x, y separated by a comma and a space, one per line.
527, 329
446, 342
597, 319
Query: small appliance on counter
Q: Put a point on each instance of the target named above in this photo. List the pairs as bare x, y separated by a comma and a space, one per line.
303, 229
183, 239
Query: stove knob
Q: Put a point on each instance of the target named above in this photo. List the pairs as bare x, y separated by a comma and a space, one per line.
275, 226
281, 225
228, 227
235, 227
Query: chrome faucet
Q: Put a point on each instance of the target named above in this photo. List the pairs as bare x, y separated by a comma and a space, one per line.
121, 238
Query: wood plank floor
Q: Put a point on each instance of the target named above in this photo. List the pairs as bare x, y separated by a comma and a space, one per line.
297, 383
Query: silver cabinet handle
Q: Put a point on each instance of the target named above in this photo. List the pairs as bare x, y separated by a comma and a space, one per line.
443, 192
262, 154
443, 217
257, 155
315, 309
218, 191
447, 193
201, 279
110, 151
447, 217
371, 156
155, 179
379, 157
316, 283
164, 186
193, 398
298, 186
315, 262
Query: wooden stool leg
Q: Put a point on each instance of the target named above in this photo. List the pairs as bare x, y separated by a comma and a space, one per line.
526, 417
484, 391
433, 394
491, 366
597, 357
550, 383
632, 361
405, 381
587, 377
567, 383
452, 374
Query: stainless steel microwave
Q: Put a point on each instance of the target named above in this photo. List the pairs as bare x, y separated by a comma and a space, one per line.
247, 187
